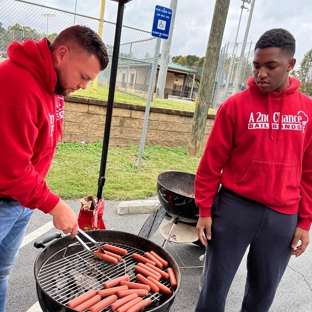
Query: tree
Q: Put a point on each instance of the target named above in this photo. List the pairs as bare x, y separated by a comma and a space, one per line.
207, 79
305, 73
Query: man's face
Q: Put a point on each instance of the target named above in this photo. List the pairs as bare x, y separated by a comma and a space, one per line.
270, 69
75, 71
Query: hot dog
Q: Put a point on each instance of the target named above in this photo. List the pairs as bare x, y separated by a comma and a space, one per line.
82, 298
116, 281
140, 305
140, 292
89, 303
150, 269
140, 258
132, 285
103, 304
144, 280
144, 272
129, 304
111, 291
172, 278
115, 249
106, 257
148, 255
161, 272
163, 261
162, 288
114, 306
118, 257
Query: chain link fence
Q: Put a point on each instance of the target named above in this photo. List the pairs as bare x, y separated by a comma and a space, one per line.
22, 20
234, 68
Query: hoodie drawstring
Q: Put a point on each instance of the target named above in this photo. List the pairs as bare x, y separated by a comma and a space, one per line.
279, 131
270, 116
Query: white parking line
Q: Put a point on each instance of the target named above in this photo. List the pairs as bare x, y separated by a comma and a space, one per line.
35, 234
35, 308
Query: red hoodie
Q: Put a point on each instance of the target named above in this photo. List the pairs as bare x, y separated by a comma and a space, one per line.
258, 155
31, 119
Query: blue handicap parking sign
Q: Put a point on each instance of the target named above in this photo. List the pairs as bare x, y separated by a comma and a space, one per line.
162, 21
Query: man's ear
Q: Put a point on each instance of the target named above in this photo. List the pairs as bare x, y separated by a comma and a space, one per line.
61, 54
291, 65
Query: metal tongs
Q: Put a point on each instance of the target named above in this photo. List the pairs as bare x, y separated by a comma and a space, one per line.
86, 247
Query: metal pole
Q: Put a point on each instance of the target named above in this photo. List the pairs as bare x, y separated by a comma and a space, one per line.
149, 97
75, 12
110, 100
239, 69
233, 54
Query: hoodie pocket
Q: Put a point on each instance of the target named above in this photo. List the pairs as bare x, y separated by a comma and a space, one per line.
275, 184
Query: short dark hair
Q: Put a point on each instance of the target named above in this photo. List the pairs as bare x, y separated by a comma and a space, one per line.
278, 38
78, 38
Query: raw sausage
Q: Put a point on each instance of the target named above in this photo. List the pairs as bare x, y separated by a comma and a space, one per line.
118, 257
89, 303
144, 280
110, 291
103, 304
82, 298
163, 261
144, 272
162, 288
140, 258
140, 292
115, 281
106, 257
172, 278
148, 255
129, 304
140, 305
115, 249
161, 272
114, 306
150, 269
132, 285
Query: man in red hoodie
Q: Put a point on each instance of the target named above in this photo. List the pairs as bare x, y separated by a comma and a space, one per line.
253, 185
33, 81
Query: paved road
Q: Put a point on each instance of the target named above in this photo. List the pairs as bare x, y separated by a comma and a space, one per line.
294, 293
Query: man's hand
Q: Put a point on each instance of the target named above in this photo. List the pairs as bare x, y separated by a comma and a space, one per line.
299, 247
65, 219
204, 229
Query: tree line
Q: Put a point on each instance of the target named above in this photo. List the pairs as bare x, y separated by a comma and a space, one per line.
304, 73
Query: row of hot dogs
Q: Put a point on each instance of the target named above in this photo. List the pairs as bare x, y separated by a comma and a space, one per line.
122, 295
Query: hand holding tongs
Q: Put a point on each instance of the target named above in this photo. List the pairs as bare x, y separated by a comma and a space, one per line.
100, 253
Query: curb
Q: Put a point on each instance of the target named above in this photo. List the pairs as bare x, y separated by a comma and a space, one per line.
137, 206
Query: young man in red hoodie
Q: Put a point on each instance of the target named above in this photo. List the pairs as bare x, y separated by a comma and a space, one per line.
33, 81
260, 153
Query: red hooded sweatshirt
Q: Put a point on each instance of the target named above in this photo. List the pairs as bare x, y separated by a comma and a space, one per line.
258, 155
31, 119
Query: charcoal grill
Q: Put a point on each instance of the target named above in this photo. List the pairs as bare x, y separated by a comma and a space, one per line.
175, 190
64, 270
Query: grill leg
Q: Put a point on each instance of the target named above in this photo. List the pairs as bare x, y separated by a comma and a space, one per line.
175, 222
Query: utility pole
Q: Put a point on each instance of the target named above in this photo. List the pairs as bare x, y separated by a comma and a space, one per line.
208, 76
238, 75
162, 75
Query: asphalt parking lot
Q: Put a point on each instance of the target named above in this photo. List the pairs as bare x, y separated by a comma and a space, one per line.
294, 293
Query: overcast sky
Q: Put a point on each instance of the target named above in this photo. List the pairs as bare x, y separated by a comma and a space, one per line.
193, 19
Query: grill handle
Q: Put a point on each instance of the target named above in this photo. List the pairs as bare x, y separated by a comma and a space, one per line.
46, 239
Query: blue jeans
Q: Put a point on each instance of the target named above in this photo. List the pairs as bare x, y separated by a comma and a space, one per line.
14, 220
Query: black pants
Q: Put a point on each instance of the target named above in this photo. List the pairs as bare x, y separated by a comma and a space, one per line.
239, 223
